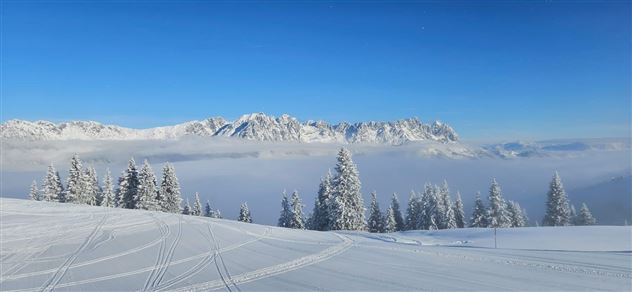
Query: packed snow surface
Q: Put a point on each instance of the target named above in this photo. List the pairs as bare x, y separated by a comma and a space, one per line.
52, 246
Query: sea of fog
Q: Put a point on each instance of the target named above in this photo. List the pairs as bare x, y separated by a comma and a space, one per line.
230, 172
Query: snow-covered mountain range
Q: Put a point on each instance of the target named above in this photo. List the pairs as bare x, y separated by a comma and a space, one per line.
256, 126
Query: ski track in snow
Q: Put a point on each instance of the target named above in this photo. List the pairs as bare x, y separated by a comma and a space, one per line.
199, 264
54, 280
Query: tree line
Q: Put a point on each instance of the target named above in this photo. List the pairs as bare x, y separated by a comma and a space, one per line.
339, 204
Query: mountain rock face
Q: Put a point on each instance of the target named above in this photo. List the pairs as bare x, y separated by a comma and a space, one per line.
256, 126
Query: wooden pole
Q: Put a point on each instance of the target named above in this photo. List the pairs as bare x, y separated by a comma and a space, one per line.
495, 242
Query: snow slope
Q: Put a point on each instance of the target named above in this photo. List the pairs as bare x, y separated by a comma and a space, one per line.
255, 126
51, 246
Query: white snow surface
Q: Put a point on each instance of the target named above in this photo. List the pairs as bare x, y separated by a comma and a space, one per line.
62, 247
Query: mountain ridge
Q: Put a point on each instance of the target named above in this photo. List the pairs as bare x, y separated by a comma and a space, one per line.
254, 126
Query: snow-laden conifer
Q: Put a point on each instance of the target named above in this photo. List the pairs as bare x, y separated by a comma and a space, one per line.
74, 191
197, 206
348, 205
128, 186
448, 218
297, 220
186, 210
147, 189
244, 214
376, 221
170, 190
34, 193
430, 209
413, 212
390, 224
459, 214
498, 215
207, 209
585, 217
320, 219
91, 189
397, 213
558, 212
52, 188
286, 212
479, 214
108, 190
515, 213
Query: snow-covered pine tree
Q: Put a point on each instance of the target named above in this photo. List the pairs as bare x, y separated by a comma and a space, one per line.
74, 191
585, 217
429, 214
322, 205
498, 215
390, 224
207, 209
348, 205
52, 188
91, 189
108, 190
397, 214
197, 206
413, 212
286, 212
244, 214
573, 215
34, 194
147, 189
515, 213
297, 221
459, 214
448, 217
187, 208
170, 190
376, 221
558, 212
128, 188
479, 215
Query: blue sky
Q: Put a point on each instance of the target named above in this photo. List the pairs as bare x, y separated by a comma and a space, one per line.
493, 70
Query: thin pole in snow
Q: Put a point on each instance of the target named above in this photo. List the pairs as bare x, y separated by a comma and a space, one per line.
495, 243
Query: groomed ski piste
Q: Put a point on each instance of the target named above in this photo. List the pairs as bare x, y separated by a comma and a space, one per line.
62, 247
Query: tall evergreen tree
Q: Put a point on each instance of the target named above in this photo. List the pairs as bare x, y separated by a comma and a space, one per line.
52, 187
515, 213
479, 215
286, 212
207, 209
430, 214
197, 206
91, 189
459, 214
297, 220
244, 214
413, 212
186, 210
390, 224
108, 190
128, 188
376, 221
147, 189
348, 205
585, 217
558, 212
397, 214
448, 218
34, 194
74, 191
320, 219
170, 190
498, 215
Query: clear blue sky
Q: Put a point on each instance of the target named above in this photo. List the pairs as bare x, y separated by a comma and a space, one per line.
523, 69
